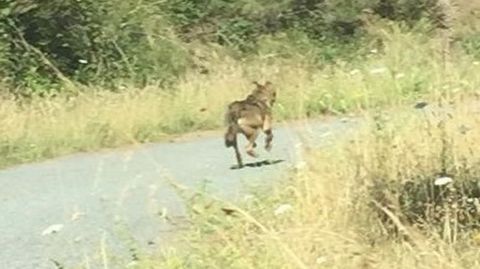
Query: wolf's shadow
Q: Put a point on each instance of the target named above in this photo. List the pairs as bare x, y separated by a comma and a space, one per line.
257, 164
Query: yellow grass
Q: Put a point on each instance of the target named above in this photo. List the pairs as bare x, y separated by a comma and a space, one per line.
328, 220
407, 68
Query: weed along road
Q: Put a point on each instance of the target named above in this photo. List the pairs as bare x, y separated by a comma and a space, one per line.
83, 209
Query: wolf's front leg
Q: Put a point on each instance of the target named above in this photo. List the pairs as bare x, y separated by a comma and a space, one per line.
268, 140
267, 129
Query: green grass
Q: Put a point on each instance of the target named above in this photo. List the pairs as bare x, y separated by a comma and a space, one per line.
406, 68
328, 219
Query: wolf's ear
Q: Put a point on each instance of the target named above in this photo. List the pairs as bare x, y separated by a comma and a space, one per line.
268, 84
256, 83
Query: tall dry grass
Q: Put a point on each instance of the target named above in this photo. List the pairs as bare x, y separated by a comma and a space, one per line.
322, 215
406, 68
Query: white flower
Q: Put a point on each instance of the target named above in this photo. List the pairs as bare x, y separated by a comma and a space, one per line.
354, 72
282, 209
379, 70
399, 75
321, 260
443, 181
83, 61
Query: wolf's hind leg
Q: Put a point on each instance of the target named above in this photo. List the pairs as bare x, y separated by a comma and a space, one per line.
238, 155
251, 134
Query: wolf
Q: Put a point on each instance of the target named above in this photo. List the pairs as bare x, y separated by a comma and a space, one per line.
248, 117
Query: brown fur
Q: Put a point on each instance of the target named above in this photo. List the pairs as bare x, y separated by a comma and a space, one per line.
248, 116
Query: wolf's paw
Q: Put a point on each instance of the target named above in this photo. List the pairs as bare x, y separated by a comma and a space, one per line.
268, 147
252, 153
236, 166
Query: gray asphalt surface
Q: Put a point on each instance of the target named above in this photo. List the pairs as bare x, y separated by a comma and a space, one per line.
104, 200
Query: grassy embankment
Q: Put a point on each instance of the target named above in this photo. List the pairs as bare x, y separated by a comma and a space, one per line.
342, 208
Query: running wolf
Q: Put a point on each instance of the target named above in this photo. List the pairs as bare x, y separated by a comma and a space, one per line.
248, 117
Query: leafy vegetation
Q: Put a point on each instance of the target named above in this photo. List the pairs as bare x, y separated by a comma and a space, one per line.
45, 45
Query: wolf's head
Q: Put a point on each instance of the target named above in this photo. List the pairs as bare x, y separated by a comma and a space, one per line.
265, 93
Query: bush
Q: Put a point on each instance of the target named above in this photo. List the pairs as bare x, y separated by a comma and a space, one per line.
107, 42
88, 42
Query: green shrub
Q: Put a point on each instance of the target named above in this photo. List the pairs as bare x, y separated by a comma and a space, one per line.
109, 42
89, 42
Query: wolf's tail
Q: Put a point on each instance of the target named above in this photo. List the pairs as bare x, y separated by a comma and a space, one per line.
231, 133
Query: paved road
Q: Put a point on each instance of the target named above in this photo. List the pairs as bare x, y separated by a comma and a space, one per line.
103, 199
